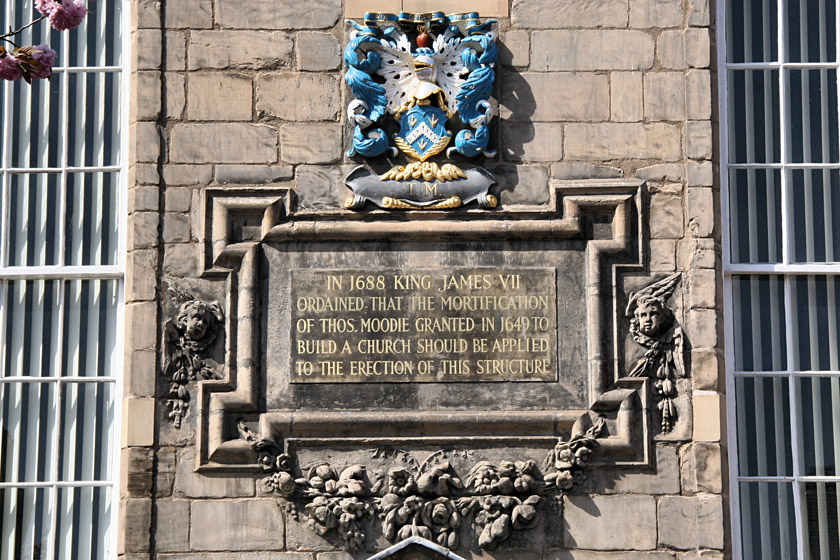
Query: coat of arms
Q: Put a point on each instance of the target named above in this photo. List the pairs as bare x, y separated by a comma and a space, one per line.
432, 74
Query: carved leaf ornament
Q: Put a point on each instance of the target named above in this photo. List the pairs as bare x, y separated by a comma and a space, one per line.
430, 499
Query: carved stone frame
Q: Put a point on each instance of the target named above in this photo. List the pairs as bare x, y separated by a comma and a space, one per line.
236, 220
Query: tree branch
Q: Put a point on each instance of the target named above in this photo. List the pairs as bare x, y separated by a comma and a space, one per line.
11, 33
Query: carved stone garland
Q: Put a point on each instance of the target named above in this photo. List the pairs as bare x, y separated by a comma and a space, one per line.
431, 500
187, 339
654, 328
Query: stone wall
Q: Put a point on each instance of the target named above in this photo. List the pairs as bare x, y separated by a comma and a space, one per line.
251, 93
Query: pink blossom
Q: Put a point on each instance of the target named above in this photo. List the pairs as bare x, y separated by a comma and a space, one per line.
68, 14
44, 58
46, 7
9, 69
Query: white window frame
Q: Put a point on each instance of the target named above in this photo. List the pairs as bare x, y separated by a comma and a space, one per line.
788, 270
58, 272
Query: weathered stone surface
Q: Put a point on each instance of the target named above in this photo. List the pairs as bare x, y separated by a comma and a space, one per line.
139, 412
567, 171
706, 369
181, 259
252, 49
197, 14
136, 513
698, 139
698, 12
700, 212
255, 524
665, 96
138, 382
269, 14
701, 555
690, 523
709, 411
656, 13
515, 48
172, 533
487, 8
223, 143
299, 96
187, 174
701, 328
176, 228
220, 96
626, 97
317, 51
145, 14
140, 282
698, 95
703, 289
661, 172
240, 556
143, 199
610, 522
145, 96
670, 49
253, 173
663, 479
698, 253
591, 50
355, 9
666, 217
698, 48
532, 142
569, 13
176, 95
702, 467
145, 142
195, 485
178, 199
591, 555
663, 255
610, 141
320, 187
142, 230
145, 174
699, 174
552, 97
522, 184
310, 143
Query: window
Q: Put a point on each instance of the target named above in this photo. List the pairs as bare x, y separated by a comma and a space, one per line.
62, 167
781, 217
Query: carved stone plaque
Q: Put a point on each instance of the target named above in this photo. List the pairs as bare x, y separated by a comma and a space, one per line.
423, 325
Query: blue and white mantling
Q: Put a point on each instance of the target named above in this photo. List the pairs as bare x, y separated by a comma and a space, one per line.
423, 70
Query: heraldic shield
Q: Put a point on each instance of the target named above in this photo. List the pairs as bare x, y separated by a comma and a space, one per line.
433, 74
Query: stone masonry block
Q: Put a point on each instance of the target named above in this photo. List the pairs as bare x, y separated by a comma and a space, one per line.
700, 174
670, 49
610, 522
626, 97
573, 170
532, 142
317, 51
666, 217
701, 328
142, 230
698, 253
665, 96
223, 143
664, 479
698, 94
311, 143
187, 174
182, 260
139, 380
145, 14
709, 416
178, 199
356, 9
145, 44
220, 97
522, 184
702, 468
487, 8
255, 524
592, 555
143, 199
176, 95
698, 48
703, 289
591, 50
138, 414
701, 555
172, 533
197, 14
140, 280
144, 174
252, 49
299, 96
698, 139
656, 13
610, 141
553, 97
548, 14
145, 96
515, 48
698, 13
663, 255
700, 212
145, 142
253, 173
176, 228
661, 172
140, 319
270, 14
195, 485
137, 514
691, 522
320, 187
706, 369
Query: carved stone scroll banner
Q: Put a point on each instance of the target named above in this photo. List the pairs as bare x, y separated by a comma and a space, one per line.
445, 378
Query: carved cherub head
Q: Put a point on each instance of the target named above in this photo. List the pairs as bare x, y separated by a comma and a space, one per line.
647, 309
198, 320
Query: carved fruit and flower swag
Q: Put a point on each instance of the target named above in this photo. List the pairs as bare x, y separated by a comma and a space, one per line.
429, 499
